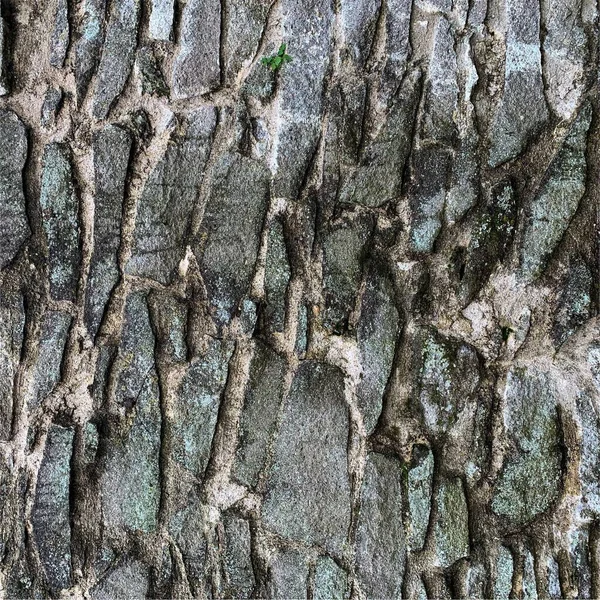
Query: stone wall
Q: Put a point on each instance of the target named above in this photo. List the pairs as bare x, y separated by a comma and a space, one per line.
326, 331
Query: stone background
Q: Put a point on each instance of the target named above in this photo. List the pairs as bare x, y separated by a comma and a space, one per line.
324, 332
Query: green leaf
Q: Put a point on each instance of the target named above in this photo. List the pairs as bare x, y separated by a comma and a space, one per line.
277, 60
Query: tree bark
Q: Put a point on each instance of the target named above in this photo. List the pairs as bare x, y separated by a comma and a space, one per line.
324, 328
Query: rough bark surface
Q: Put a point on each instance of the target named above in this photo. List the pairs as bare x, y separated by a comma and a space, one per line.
329, 331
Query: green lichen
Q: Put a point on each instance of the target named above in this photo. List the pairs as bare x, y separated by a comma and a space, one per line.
504, 573
330, 580
452, 525
60, 208
419, 498
530, 480
448, 377
554, 207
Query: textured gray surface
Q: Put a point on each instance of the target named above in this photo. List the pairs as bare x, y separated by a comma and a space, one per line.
323, 332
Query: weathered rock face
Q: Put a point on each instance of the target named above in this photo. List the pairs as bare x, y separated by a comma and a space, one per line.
327, 330
308, 488
165, 207
197, 65
118, 51
60, 218
380, 543
112, 147
13, 154
130, 470
12, 324
521, 110
231, 228
530, 480
50, 516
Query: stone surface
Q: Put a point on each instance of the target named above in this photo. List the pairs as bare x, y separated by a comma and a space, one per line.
51, 516
579, 555
522, 109
164, 210
430, 170
359, 20
574, 302
12, 324
504, 573
197, 407
452, 525
232, 224
60, 218
112, 148
88, 46
60, 35
14, 228
331, 581
448, 382
476, 580
53, 338
377, 333
553, 579
150, 73
197, 67
161, 19
259, 417
492, 233
322, 331
238, 564
378, 178
118, 51
380, 543
169, 317
130, 478
308, 491
308, 26
189, 528
301, 334
529, 482
420, 479
564, 53
529, 584
590, 466
558, 200
288, 575
244, 25
51, 106
277, 276
3, 59
344, 250
464, 188
129, 580
442, 86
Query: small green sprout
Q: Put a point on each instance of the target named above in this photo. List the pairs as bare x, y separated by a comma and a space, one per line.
278, 60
